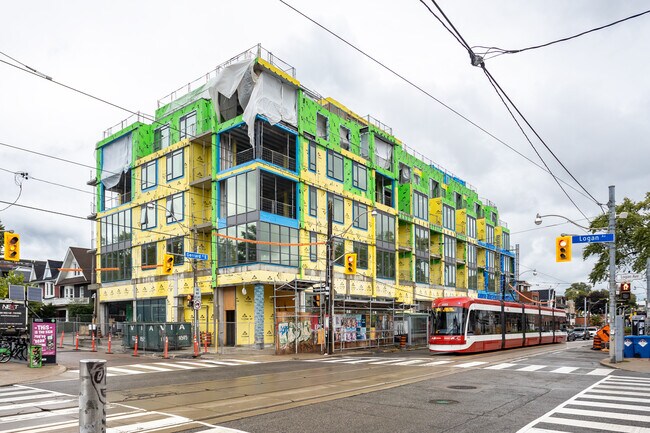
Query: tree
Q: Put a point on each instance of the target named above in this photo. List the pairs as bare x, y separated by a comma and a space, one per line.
11, 278
632, 240
577, 290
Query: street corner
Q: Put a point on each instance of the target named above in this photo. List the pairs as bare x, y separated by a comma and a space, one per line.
637, 365
13, 373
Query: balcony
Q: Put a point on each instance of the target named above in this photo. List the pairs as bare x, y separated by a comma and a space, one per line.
277, 207
59, 302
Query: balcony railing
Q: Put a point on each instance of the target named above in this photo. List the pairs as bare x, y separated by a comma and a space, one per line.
137, 117
117, 200
277, 207
278, 158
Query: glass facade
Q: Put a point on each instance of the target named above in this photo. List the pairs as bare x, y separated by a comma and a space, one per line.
234, 250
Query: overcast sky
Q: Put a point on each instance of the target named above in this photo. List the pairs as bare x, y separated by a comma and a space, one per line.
588, 98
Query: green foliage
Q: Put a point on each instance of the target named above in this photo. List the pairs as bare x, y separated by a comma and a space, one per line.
576, 290
40, 310
75, 310
596, 320
11, 278
632, 240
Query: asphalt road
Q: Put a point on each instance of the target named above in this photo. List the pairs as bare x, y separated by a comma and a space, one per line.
411, 391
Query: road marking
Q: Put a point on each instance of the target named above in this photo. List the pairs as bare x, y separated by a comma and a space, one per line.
39, 414
500, 366
564, 370
224, 362
110, 370
630, 393
531, 368
600, 372
388, 361
195, 364
608, 397
31, 404
436, 363
149, 367
174, 365
470, 364
414, 361
336, 360
361, 361
170, 421
636, 407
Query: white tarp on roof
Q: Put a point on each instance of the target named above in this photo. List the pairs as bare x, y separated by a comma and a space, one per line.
116, 159
265, 94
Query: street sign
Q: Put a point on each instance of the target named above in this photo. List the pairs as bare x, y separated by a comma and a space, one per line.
197, 304
590, 239
197, 295
195, 256
629, 277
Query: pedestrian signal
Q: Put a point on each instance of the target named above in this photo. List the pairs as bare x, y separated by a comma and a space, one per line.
563, 249
351, 263
168, 264
625, 291
12, 246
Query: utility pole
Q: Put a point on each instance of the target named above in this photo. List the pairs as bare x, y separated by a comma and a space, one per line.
612, 277
329, 277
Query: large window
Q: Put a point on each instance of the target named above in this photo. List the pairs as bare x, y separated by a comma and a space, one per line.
448, 217
187, 125
434, 188
359, 215
148, 256
471, 227
359, 176
238, 194
363, 145
176, 247
338, 245
312, 156
450, 261
384, 190
338, 209
161, 138
385, 264
335, 165
420, 206
313, 248
421, 241
151, 310
120, 259
175, 208
148, 175
313, 201
404, 173
472, 272
116, 228
421, 270
489, 234
148, 213
322, 126
236, 251
385, 229
175, 165
506, 241
361, 250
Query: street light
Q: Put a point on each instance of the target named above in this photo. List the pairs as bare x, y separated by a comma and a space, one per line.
615, 350
329, 271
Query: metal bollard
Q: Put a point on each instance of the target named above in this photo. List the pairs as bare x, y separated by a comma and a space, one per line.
92, 396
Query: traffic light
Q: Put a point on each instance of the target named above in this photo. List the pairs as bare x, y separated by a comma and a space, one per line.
12, 246
563, 249
351, 263
625, 291
168, 264
190, 301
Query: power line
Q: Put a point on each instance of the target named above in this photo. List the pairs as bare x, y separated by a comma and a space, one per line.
426, 93
501, 51
479, 62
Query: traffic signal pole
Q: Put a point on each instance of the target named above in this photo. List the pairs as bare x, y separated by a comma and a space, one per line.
329, 271
612, 279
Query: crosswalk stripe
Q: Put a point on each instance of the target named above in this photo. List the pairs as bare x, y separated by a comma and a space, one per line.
228, 363
593, 425
564, 370
531, 368
333, 360
149, 367
470, 364
441, 362
171, 420
195, 364
16, 392
412, 362
611, 405
629, 387
628, 379
361, 361
242, 361
600, 372
110, 370
174, 365
543, 430
624, 393
618, 398
388, 361
24, 397
500, 366
31, 404
604, 414
38, 415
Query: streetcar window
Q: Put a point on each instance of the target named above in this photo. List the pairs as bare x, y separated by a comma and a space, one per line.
513, 323
483, 322
448, 320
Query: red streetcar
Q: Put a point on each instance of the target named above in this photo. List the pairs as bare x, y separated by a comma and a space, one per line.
469, 325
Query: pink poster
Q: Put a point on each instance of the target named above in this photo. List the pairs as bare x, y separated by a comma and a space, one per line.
44, 335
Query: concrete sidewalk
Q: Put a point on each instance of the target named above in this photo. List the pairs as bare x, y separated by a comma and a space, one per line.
637, 365
12, 373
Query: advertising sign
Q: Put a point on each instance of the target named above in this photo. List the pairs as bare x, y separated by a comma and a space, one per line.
44, 335
12, 316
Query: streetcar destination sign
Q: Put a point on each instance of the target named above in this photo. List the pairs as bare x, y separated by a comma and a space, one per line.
589, 239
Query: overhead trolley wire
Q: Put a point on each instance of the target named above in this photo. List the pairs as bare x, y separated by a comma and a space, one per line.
428, 94
500, 51
479, 61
